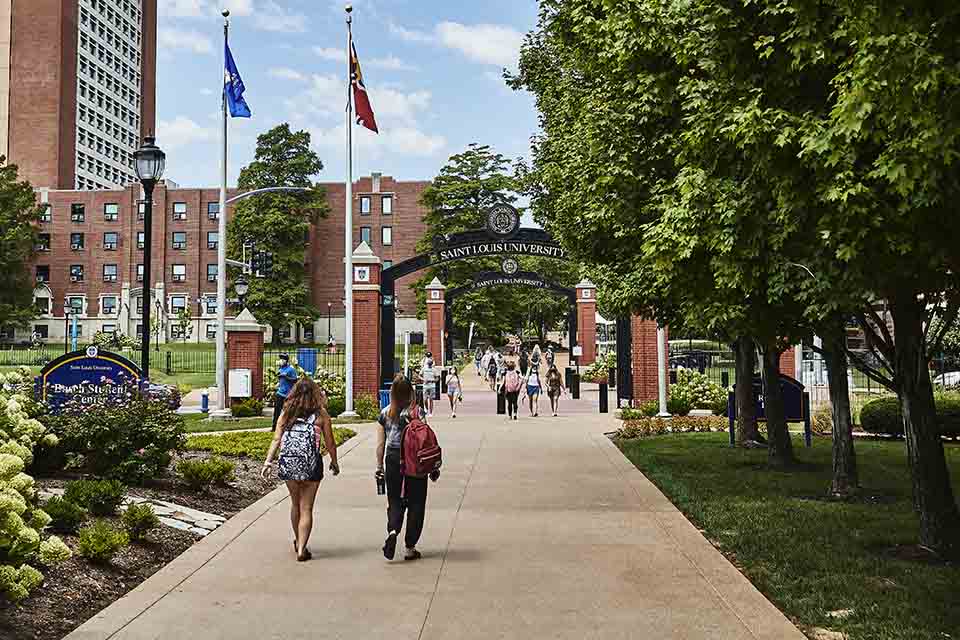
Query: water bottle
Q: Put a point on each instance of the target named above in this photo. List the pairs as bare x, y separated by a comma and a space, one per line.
381, 483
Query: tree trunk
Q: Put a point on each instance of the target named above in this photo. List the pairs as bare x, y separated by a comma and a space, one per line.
746, 423
779, 448
932, 492
845, 478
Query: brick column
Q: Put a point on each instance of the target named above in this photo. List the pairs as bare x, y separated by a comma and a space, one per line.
436, 318
366, 321
245, 351
587, 321
644, 359
788, 362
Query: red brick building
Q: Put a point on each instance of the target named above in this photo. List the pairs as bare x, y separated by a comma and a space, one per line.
91, 252
77, 89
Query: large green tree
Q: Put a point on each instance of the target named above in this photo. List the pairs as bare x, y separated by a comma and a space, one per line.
19, 220
280, 223
457, 200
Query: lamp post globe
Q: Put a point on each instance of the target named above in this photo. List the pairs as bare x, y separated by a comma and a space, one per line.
148, 161
242, 287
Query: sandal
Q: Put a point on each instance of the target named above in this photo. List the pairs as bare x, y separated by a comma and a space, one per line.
303, 557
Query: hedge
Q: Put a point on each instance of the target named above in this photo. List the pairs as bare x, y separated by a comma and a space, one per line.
883, 415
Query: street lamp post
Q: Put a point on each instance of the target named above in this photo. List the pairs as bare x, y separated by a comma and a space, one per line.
149, 161
329, 323
241, 286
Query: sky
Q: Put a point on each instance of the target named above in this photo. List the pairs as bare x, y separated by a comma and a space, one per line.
433, 69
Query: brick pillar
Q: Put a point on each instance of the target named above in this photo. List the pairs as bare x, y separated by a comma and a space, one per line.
644, 359
436, 318
245, 351
366, 321
587, 321
788, 362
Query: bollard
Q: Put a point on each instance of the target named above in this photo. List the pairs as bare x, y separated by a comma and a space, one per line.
725, 379
443, 381
575, 385
205, 402
612, 377
732, 417
501, 404
604, 402
169, 371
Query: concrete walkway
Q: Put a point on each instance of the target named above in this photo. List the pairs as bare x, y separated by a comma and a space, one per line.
538, 528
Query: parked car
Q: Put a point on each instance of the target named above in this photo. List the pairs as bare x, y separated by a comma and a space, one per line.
948, 379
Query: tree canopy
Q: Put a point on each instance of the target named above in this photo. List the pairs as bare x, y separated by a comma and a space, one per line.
19, 220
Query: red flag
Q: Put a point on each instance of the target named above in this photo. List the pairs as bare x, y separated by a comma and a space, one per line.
361, 100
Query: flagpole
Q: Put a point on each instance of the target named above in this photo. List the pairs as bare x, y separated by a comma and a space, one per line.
348, 227
221, 240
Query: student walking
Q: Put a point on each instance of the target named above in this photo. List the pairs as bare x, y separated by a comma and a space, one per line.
429, 374
454, 391
524, 361
554, 388
286, 378
302, 424
492, 368
533, 388
477, 360
405, 494
512, 383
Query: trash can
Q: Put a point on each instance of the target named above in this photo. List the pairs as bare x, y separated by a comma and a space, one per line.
574, 385
384, 398
307, 359
567, 376
443, 381
205, 402
612, 377
604, 403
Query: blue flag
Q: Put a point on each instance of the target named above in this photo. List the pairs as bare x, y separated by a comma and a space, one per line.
233, 87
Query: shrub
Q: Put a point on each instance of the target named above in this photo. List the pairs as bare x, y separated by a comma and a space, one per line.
678, 406
251, 444
642, 427
883, 415
65, 516
367, 407
249, 408
333, 384
114, 341
821, 422
335, 406
631, 413
99, 497
649, 408
100, 541
129, 439
697, 391
139, 520
199, 474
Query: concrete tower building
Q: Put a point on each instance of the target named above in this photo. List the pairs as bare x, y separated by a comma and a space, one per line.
77, 89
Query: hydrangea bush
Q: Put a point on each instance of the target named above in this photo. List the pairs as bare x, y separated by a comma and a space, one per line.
696, 389
21, 518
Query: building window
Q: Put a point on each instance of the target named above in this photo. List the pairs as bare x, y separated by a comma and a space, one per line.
178, 304
140, 331
364, 205
110, 240
386, 204
140, 305
211, 306
386, 236
211, 273
179, 273
75, 304
179, 239
43, 273
76, 241
213, 210
140, 239
42, 305
211, 331
109, 273
365, 234
109, 328
176, 332
179, 210
141, 210
387, 264
43, 242
77, 213
111, 212
308, 334
212, 239
139, 273
108, 305
76, 273
42, 331
46, 215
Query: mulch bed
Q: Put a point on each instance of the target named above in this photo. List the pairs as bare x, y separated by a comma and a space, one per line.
77, 590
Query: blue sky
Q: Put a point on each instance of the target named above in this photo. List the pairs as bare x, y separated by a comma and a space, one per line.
433, 69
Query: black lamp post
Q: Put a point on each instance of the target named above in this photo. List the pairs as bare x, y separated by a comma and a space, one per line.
149, 161
329, 323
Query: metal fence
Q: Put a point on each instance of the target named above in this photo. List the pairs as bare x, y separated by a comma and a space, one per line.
311, 359
709, 357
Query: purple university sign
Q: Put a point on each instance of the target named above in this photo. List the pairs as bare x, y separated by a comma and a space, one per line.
86, 377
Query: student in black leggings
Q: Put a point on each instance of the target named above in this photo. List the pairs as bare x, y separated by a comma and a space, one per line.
512, 383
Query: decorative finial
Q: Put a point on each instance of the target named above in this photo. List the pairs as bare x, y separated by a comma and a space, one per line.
349, 8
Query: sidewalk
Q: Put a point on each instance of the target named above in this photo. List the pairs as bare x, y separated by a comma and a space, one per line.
538, 528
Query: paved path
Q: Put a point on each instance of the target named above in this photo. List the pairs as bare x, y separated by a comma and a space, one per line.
537, 529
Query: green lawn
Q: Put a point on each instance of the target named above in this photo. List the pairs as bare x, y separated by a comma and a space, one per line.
251, 444
198, 423
810, 556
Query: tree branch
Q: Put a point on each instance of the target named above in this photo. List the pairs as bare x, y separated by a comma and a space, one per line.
947, 320
884, 350
872, 373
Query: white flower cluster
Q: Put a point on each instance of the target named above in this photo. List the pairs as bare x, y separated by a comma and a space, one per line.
21, 519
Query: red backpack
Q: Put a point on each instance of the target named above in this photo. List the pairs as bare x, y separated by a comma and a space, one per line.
421, 454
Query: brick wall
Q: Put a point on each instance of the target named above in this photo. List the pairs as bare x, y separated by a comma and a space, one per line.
788, 362
435, 326
644, 363
245, 351
587, 328
366, 334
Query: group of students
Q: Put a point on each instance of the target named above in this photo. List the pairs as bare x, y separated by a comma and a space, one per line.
521, 377
297, 454
428, 376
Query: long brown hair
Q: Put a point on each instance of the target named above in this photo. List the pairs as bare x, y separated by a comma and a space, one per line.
401, 395
305, 399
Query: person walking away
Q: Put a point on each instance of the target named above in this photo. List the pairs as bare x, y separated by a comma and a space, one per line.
524, 362
492, 368
554, 388
286, 378
512, 383
302, 424
550, 356
535, 356
429, 374
477, 360
405, 495
533, 390
454, 391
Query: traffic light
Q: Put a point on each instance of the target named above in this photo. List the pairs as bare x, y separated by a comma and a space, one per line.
262, 264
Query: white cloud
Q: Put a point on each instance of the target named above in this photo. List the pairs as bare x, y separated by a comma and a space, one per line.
484, 43
331, 53
285, 73
268, 15
188, 40
181, 8
392, 63
182, 131
273, 17
410, 35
